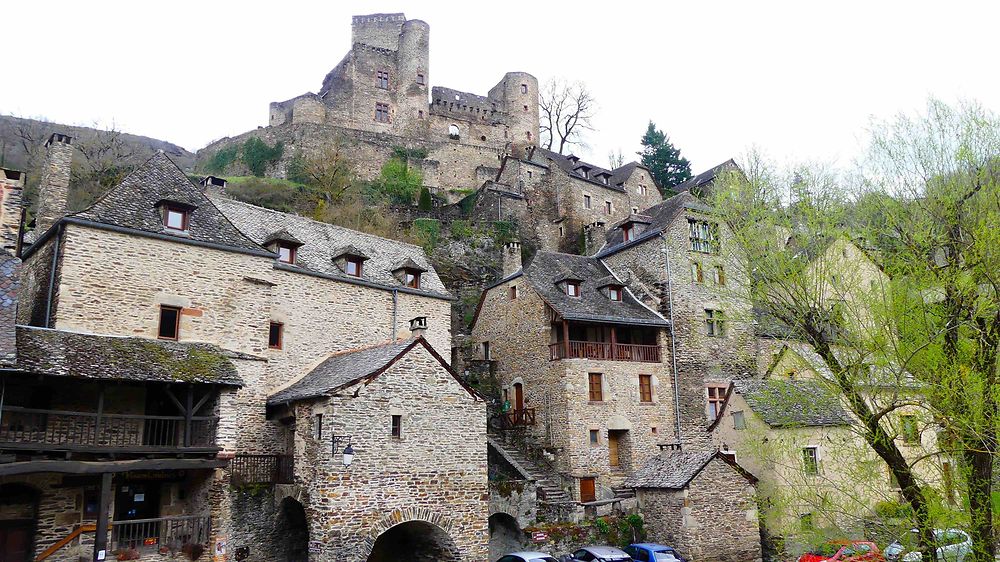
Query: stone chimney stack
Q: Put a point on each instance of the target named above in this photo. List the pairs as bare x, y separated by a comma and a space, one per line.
11, 189
511, 258
53, 192
418, 327
594, 237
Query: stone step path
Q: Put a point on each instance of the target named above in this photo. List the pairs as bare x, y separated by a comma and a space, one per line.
548, 487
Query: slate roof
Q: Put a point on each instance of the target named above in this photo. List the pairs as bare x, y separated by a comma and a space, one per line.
706, 177
620, 174
571, 164
348, 367
132, 204
87, 356
322, 242
672, 470
792, 403
659, 216
547, 268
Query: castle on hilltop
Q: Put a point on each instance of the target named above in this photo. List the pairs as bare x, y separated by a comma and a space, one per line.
381, 86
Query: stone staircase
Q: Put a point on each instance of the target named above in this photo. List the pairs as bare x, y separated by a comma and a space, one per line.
546, 483
623, 492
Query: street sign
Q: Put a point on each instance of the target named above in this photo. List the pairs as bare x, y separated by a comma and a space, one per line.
539, 536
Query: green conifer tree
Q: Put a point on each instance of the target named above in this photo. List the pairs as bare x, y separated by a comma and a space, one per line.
663, 159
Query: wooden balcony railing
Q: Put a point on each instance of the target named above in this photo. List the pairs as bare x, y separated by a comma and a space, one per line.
173, 534
605, 351
65, 430
513, 419
262, 469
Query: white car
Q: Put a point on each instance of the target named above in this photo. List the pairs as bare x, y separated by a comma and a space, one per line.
527, 557
953, 546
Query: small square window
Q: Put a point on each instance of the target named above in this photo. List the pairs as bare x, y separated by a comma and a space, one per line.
170, 319
396, 428
420, 80
586, 201
573, 289
412, 279
420, 114
175, 219
714, 323
595, 437
353, 267
608, 207
524, 88
739, 420
615, 293
642, 189
286, 253
513, 292
275, 335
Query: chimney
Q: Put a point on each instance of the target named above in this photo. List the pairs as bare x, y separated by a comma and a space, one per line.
594, 237
418, 327
511, 258
11, 189
53, 192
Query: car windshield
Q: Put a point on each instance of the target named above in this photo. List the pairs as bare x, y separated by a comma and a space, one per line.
664, 556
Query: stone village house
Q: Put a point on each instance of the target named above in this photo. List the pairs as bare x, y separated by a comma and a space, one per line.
195, 373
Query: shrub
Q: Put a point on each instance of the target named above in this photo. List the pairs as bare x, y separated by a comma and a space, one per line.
427, 232
221, 160
461, 230
398, 183
425, 203
257, 155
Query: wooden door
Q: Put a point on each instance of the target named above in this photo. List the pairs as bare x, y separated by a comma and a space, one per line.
518, 396
587, 490
15, 541
613, 448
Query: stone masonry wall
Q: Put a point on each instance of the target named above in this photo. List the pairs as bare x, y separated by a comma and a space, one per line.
435, 472
713, 520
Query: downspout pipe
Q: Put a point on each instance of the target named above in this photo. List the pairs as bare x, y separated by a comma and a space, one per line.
395, 304
673, 338
52, 274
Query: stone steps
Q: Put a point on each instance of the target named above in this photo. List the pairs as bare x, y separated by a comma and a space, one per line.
548, 486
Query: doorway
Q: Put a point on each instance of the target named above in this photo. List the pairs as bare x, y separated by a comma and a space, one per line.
588, 490
137, 500
518, 396
618, 449
18, 513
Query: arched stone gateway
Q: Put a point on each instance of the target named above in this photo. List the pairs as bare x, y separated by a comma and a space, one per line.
505, 535
414, 541
292, 532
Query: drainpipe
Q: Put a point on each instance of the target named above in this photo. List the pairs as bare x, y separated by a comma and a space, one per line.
52, 275
673, 337
395, 302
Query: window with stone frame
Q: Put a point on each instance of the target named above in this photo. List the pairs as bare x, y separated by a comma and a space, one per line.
586, 202
524, 88
642, 189
276, 335
382, 112
720, 275
170, 323
318, 427
645, 388
595, 392
608, 207
382, 79
715, 323
716, 396
704, 236
513, 292
420, 79
595, 437
91, 503
697, 275
396, 426
810, 460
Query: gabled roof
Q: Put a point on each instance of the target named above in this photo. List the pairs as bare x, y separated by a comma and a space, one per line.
570, 165
547, 269
87, 356
622, 173
674, 470
408, 263
282, 236
132, 205
706, 177
660, 216
346, 368
801, 403
323, 242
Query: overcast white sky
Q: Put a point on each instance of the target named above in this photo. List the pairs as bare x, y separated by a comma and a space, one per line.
799, 79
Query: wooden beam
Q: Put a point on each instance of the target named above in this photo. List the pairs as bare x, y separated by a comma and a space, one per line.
208, 394
101, 467
100, 412
101, 531
565, 339
188, 413
180, 407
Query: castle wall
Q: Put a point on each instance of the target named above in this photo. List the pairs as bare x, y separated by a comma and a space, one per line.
377, 30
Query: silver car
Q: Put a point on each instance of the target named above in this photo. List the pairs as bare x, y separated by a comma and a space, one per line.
953, 546
527, 557
600, 554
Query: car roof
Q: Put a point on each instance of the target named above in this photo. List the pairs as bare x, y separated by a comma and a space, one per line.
604, 550
651, 545
528, 554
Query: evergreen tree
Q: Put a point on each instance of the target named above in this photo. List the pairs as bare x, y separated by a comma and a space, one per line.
663, 159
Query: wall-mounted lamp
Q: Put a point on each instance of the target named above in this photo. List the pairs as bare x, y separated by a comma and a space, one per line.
348, 451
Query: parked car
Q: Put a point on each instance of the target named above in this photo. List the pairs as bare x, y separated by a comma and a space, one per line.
651, 552
600, 554
953, 546
844, 551
527, 557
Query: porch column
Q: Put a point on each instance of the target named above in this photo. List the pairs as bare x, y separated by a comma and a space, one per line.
565, 339
614, 344
101, 533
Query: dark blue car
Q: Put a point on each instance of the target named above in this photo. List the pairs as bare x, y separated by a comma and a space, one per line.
650, 552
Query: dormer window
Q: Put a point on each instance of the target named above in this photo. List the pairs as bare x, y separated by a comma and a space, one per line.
411, 278
352, 266
175, 218
573, 288
615, 293
286, 253
628, 232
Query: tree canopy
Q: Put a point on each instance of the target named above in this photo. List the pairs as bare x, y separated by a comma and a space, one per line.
663, 159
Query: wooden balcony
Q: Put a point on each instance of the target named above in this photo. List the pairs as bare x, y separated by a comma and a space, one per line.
163, 534
513, 419
62, 430
262, 469
604, 351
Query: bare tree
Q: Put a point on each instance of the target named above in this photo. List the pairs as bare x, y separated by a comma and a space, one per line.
566, 111
616, 159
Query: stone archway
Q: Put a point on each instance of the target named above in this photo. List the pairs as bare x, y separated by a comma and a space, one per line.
416, 541
18, 517
505, 535
291, 531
